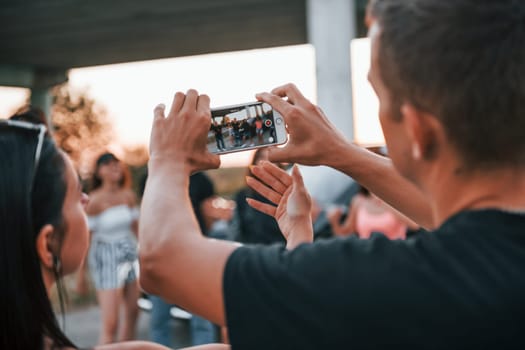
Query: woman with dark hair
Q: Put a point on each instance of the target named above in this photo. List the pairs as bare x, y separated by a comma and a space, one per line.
37, 242
44, 233
112, 218
43, 236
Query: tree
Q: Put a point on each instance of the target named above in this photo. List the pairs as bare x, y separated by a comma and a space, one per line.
81, 126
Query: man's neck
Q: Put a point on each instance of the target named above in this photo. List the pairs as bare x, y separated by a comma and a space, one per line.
456, 191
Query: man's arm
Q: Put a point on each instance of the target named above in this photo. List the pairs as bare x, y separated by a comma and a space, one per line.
378, 174
176, 261
316, 141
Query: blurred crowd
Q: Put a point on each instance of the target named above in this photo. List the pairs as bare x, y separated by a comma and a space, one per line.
112, 264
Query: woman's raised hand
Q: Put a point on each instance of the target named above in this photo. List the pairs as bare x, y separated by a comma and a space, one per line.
292, 203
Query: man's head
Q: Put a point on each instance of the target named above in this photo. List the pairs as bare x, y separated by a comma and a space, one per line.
461, 62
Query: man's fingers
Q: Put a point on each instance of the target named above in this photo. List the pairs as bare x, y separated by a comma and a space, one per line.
278, 184
279, 154
158, 112
291, 91
190, 102
213, 161
275, 101
178, 102
203, 104
263, 190
262, 207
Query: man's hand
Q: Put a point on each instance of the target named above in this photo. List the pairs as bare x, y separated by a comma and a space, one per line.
313, 139
181, 137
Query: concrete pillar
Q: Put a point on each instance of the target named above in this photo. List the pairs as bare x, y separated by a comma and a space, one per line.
331, 26
39, 80
41, 98
44, 81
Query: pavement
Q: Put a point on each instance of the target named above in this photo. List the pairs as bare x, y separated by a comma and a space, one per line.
82, 327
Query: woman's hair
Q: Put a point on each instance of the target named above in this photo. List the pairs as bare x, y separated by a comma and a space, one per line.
103, 159
31, 196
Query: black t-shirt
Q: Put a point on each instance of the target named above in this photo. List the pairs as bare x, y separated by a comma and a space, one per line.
459, 287
217, 129
201, 188
235, 126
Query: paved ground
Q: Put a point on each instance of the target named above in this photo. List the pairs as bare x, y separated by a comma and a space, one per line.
83, 326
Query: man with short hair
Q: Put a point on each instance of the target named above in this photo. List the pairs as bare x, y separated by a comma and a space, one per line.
450, 77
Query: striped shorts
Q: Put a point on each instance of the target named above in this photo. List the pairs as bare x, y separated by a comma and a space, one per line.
113, 264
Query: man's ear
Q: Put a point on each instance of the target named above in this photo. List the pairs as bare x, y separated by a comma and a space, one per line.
423, 130
44, 245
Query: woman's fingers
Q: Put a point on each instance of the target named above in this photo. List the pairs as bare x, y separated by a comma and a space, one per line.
263, 190
272, 176
297, 178
266, 208
277, 172
299, 203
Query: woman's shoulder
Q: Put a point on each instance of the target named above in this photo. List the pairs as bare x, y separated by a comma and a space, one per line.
95, 204
130, 197
99, 202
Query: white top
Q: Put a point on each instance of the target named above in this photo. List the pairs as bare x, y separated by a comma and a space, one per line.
113, 223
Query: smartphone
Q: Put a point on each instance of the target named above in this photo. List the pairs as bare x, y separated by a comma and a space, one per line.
245, 126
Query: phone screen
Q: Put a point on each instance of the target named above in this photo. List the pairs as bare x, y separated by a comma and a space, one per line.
243, 127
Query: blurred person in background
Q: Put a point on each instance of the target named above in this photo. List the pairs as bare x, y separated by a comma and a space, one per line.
113, 262
368, 214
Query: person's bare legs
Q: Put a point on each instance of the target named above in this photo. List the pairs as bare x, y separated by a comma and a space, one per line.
131, 311
109, 301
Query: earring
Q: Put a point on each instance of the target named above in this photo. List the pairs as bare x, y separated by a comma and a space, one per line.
57, 265
416, 151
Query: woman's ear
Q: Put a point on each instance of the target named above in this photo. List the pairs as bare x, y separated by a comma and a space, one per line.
423, 130
44, 245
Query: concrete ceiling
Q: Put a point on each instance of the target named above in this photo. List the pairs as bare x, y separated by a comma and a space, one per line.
61, 34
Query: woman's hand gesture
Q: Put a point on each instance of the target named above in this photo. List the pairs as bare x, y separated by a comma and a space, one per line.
293, 204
